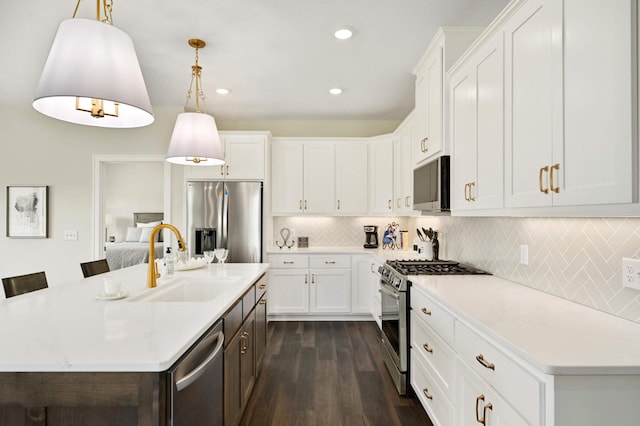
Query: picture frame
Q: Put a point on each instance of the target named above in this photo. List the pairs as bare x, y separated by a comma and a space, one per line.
27, 211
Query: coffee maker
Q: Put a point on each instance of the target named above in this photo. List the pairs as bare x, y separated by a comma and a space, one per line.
371, 236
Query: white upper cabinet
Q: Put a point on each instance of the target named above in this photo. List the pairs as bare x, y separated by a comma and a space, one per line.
303, 177
477, 128
244, 153
446, 47
381, 175
351, 177
569, 102
403, 166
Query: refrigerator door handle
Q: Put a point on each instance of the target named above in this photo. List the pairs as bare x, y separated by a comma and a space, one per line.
225, 217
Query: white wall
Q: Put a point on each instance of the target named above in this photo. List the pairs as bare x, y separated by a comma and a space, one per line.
128, 188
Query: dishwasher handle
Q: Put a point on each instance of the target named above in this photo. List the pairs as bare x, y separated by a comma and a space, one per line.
194, 374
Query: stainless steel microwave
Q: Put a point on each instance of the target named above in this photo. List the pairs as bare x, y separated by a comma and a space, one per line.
431, 186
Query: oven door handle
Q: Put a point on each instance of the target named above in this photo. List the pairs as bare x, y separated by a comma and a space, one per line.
390, 293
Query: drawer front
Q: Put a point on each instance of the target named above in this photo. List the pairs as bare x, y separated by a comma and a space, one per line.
261, 287
435, 353
248, 301
432, 314
330, 261
286, 261
232, 322
433, 399
510, 379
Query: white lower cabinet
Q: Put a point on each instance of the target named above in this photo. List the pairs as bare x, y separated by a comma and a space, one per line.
309, 284
479, 403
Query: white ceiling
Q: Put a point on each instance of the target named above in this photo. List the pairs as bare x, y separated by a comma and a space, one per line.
278, 57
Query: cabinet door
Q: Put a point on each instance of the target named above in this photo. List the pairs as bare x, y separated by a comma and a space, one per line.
330, 290
261, 332
596, 159
361, 290
245, 157
533, 85
232, 389
247, 359
381, 176
488, 192
476, 400
429, 87
319, 177
398, 188
408, 140
351, 178
288, 291
376, 307
286, 177
463, 136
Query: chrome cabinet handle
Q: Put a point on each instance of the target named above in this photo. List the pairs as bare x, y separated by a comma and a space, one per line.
555, 189
427, 348
485, 364
199, 370
288, 262
330, 262
425, 311
543, 170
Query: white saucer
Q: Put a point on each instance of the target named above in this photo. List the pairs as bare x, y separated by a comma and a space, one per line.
116, 296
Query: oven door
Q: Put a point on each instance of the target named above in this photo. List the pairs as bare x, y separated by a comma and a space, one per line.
394, 324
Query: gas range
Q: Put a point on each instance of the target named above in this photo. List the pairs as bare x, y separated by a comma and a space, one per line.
395, 272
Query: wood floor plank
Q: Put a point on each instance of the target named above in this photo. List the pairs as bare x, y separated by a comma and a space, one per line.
328, 373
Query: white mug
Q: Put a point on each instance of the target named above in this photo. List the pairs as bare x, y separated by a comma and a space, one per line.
111, 285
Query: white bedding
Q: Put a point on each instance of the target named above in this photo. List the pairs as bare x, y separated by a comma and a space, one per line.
121, 255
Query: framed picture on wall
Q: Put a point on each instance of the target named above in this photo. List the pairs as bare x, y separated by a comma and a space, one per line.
27, 211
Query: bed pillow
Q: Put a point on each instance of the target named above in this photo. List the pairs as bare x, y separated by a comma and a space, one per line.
145, 233
133, 234
151, 225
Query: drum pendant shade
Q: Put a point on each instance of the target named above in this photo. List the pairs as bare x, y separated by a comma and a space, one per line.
94, 60
195, 136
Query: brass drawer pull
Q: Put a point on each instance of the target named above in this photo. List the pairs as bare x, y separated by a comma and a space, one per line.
478, 400
555, 189
330, 262
389, 204
288, 262
424, 311
427, 348
542, 171
263, 302
485, 364
261, 286
471, 197
426, 393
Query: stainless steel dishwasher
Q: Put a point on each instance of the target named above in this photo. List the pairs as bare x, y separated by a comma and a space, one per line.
195, 383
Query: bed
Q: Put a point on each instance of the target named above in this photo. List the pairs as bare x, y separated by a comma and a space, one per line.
135, 248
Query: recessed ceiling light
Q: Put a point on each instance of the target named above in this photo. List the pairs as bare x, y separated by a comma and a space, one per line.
335, 91
222, 91
344, 33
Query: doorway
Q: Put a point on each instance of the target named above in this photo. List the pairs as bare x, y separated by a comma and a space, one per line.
108, 219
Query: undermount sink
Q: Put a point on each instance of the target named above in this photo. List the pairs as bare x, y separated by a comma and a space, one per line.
188, 290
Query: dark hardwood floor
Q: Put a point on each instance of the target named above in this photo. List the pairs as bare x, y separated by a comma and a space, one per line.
328, 373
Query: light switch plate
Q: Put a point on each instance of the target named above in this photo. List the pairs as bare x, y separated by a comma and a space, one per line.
631, 273
71, 235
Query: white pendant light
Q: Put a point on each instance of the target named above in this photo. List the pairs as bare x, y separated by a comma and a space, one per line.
195, 140
92, 76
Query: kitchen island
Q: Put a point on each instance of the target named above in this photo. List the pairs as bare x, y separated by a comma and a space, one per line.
64, 348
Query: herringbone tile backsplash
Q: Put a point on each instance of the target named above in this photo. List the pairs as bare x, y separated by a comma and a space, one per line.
578, 259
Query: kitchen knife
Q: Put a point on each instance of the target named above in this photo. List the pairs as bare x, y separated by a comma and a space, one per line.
419, 234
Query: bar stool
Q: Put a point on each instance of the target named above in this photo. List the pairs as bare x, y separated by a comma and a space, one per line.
13, 286
95, 267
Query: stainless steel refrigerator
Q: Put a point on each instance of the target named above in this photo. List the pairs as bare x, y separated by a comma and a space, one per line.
227, 215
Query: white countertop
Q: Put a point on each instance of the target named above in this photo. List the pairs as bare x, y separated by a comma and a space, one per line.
64, 328
554, 335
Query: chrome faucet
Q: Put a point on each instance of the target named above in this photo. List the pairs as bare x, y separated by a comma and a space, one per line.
153, 267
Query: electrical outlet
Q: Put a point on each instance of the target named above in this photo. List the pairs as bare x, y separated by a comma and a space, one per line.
631, 273
71, 235
524, 254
